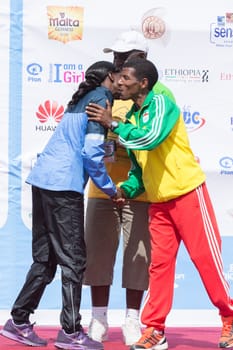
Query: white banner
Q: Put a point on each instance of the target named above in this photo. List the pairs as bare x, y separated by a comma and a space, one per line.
46, 47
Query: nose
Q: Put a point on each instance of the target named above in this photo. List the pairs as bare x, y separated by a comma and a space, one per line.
120, 81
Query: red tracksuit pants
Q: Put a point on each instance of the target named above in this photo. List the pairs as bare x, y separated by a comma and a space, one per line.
189, 218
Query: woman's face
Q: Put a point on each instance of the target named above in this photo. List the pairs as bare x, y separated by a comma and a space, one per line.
115, 85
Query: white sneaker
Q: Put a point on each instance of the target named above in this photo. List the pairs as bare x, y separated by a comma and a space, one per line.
98, 330
131, 331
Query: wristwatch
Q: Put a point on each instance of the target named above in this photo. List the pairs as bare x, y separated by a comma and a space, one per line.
114, 125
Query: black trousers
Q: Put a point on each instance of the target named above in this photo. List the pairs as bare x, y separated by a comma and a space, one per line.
57, 239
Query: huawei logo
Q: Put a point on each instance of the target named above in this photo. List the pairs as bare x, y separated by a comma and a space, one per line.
50, 109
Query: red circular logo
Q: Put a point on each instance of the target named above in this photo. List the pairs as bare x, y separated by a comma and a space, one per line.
153, 27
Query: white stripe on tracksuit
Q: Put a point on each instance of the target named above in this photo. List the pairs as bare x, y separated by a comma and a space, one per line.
213, 244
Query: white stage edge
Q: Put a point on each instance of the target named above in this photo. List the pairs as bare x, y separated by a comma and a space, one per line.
177, 318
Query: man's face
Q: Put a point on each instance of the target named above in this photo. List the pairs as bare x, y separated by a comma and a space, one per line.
129, 85
119, 58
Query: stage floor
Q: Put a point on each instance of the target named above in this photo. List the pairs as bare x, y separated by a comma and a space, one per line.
181, 338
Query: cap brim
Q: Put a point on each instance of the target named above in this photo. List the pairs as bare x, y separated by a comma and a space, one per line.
107, 50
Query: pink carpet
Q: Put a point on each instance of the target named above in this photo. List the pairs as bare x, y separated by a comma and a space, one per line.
189, 338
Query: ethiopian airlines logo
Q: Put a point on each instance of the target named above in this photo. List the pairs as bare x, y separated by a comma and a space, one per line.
50, 109
65, 23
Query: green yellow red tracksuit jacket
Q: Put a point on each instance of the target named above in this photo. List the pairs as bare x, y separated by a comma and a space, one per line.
157, 142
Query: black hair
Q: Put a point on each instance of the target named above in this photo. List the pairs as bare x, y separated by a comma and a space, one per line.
143, 69
94, 76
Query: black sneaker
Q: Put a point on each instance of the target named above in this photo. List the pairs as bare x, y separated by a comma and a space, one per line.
76, 341
22, 333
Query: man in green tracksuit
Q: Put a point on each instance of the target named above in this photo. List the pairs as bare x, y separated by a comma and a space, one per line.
157, 142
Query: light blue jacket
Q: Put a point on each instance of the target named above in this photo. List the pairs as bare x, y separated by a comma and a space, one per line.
75, 151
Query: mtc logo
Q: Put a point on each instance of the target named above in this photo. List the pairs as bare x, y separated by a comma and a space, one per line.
192, 119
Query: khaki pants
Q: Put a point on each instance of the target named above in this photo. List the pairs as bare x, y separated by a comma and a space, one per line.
104, 225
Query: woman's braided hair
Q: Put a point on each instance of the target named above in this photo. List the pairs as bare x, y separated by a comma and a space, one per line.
94, 76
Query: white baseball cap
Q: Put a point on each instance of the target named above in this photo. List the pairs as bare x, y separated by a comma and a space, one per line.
127, 41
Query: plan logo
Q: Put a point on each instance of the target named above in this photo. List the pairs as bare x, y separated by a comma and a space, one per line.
192, 119
221, 31
49, 115
34, 72
65, 23
226, 164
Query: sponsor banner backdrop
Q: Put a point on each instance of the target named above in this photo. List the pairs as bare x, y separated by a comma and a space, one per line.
47, 46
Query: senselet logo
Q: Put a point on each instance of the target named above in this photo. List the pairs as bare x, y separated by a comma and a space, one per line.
221, 32
49, 111
193, 120
65, 23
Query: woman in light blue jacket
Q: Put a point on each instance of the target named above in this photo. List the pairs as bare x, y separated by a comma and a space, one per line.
74, 152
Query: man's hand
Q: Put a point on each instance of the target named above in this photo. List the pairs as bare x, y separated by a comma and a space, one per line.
99, 114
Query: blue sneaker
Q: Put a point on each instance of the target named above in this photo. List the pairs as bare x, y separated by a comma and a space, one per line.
22, 333
76, 341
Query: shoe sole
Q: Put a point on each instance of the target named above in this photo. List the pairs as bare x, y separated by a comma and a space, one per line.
100, 340
19, 339
225, 346
104, 336
75, 346
163, 346
69, 346
126, 341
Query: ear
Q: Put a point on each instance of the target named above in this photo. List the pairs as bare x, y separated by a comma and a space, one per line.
144, 83
110, 75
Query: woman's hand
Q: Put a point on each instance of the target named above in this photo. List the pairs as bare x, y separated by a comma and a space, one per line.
120, 198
